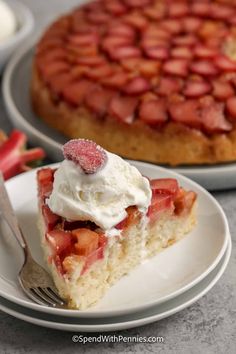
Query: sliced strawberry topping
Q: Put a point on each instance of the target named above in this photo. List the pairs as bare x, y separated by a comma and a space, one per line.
117, 80
123, 108
137, 20
99, 72
125, 52
98, 17
176, 67
178, 9
87, 154
204, 67
156, 11
50, 218
60, 241
191, 24
182, 52
156, 32
197, 88
231, 106
220, 11
53, 68
115, 7
222, 90
185, 40
84, 39
136, 86
75, 92
58, 82
169, 85
52, 55
159, 203
213, 118
122, 30
204, 52
187, 112
164, 186
98, 100
111, 43
157, 52
91, 60
171, 25
137, 3
225, 63
200, 8
150, 42
153, 112
149, 68
87, 241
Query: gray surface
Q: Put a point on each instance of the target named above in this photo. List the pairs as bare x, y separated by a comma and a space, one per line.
208, 327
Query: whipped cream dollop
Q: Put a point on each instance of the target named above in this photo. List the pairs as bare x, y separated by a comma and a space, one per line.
100, 197
7, 21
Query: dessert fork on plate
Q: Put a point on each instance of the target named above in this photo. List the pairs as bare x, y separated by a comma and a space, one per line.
34, 279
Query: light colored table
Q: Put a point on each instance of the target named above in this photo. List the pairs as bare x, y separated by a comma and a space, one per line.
208, 327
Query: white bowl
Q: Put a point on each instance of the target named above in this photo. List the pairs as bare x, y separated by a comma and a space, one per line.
25, 24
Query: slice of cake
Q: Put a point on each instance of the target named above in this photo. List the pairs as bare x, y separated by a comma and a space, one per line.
99, 218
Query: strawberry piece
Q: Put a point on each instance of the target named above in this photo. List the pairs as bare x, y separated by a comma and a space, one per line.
123, 108
99, 72
125, 52
176, 67
153, 112
149, 68
137, 3
111, 43
184, 201
159, 203
156, 32
91, 60
204, 67
59, 241
59, 81
84, 39
86, 153
220, 11
185, 40
87, 241
172, 26
213, 118
197, 88
137, 20
204, 52
168, 86
201, 8
115, 7
157, 52
45, 176
164, 186
191, 24
187, 112
98, 100
75, 92
231, 106
178, 9
136, 86
54, 68
122, 30
156, 11
118, 80
222, 90
225, 63
53, 55
98, 17
50, 218
182, 53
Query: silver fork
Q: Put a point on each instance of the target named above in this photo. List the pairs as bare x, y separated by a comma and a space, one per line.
34, 280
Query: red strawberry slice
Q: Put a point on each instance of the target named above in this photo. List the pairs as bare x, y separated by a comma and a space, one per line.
137, 3
59, 241
153, 112
91, 60
225, 63
125, 52
123, 108
149, 68
204, 52
58, 82
137, 20
52, 55
122, 30
171, 25
187, 112
200, 8
185, 40
156, 11
136, 86
85, 153
115, 7
53, 68
117, 80
98, 100
156, 32
75, 92
176, 67
204, 67
197, 88
50, 218
157, 52
159, 203
178, 9
222, 90
164, 186
98, 17
231, 106
168, 86
181, 52
220, 11
96, 73
191, 24
110, 43
84, 39
213, 118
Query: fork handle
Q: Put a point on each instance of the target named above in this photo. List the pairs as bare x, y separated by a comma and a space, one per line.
6, 210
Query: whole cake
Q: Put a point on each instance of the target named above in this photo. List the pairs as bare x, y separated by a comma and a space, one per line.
99, 218
152, 80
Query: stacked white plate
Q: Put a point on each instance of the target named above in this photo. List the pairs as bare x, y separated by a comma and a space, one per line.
158, 288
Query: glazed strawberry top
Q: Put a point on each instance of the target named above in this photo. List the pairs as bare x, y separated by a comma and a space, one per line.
146, 61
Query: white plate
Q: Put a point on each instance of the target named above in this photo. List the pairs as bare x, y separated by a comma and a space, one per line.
16, 83
123, 322
161, 278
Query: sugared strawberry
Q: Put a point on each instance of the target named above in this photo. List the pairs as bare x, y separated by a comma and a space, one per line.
87, 154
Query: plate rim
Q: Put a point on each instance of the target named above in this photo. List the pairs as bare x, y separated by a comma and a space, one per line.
132, 323
125, 310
